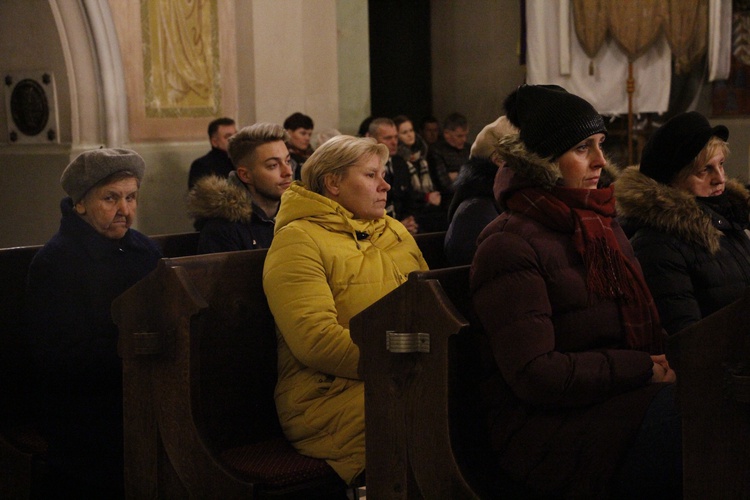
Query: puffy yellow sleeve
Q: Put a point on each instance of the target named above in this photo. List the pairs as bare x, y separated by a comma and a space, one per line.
296, 285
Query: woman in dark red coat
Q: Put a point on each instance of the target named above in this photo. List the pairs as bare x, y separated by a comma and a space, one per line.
581, 402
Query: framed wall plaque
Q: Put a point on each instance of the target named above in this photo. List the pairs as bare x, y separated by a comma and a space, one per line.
31, 107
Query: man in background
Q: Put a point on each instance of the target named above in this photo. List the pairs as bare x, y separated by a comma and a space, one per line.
450, 152
215, 162
401, 195
238, 213
430, 130
299, 128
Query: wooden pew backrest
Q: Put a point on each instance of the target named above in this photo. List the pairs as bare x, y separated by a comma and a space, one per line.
712, 362
22, 447
198, 345
177, 244
431, 245
237, 346
418, 402
15, 359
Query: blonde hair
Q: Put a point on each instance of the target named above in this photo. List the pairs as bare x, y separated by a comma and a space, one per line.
335, 156
243, 144
714, 146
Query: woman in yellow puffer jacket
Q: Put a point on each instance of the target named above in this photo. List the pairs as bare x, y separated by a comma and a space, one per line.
334, 253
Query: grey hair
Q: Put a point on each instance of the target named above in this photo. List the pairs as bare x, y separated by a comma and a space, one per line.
377, 123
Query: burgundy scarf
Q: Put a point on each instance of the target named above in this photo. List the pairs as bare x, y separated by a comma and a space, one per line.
587, 215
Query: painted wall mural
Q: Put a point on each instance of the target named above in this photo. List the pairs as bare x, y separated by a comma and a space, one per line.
181, 65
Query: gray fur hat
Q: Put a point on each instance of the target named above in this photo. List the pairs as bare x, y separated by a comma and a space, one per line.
90, 167
486, 141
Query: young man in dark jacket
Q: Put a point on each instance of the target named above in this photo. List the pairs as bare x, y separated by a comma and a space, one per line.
238, 213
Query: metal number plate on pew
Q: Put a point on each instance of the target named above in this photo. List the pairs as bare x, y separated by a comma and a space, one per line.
407, 342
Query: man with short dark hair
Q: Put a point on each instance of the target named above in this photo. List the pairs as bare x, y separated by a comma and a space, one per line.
215, 162
299, 128
238, 213
450, 152
430, 130
401, 195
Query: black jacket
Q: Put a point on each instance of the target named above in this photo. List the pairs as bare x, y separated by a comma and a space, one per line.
695, 256
472, 208
215, 162
226, 216
72, 282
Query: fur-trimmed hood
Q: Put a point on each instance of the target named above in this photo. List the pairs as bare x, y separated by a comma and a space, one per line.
217, 197
644, 202
524, 168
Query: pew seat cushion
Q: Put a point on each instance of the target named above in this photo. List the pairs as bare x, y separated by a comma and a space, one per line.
275, 463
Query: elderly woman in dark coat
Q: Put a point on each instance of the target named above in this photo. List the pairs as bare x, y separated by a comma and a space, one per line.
689, 221
473, 205
580, 403
93, 258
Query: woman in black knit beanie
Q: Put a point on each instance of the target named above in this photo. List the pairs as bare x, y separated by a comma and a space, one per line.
580, 395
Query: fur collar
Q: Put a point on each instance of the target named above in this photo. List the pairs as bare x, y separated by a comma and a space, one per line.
642, 201
534, 169
217, 197
530, 169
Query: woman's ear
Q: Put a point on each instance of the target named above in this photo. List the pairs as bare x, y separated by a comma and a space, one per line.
332, 184
80, 208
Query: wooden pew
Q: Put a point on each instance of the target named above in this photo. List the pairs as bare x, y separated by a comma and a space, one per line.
712, 362
422, 437
199, 369
177, 244
22, 448
199, 366
431, 245
415, 450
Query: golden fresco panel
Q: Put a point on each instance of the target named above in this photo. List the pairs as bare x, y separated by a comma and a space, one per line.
180, 58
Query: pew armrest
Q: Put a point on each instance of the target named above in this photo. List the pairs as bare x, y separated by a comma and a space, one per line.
158, 347
198, 345
408, 391
712, 361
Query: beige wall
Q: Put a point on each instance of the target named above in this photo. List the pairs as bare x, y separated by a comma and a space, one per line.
474, 58
280, 56
29, 187
300, 74
275, 79
354, 64
263, 78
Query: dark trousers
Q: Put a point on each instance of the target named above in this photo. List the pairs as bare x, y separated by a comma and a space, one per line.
653, 466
